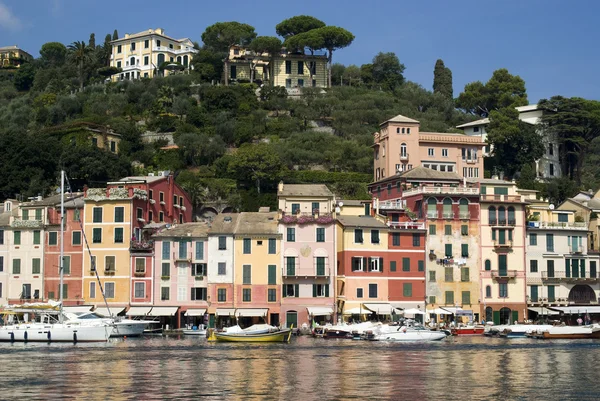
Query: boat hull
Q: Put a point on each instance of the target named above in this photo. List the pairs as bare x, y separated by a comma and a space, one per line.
278, 336
55, 333
468, 331
337, 334
194, 332
123, 329
411, 336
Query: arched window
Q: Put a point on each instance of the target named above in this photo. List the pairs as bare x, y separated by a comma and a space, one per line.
448, 208
160, 59
501, 215
179, 59
489, 314
463, 208
403, 150
492, 215
185, 61
382, 173
511, 215
132, 61
488, 265
432, 208
488, 291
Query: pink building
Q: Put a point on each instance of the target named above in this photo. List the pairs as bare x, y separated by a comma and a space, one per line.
180, 273
400, 146
307, 217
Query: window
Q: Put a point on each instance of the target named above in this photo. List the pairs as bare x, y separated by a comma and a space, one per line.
488, 291
181, 293
432, 228
416, 239
320, 261
272, 274
109, 290
119, 214
320, 234
372, 290
25, 213
407, 290
374, 237
532, 239
466, 297
35, 266
357, 264
464, 250
118, 66
295, 208
503, 290
199, 294
449, 274
291, 290
233, 72
146, 60
109, 263
140, 265
550, 242
272, 246
320, 290
97, 215
492, 221
444, 152
464, 275
448, 248
271, 295
447, 229
593, 270
36, 237
17, 238
165, 270
161, 216
67, 265
139, 290
432, 299
222, 268
222, 243
431, 152
16, 266
291, 234
97, 235
92, 289
247, 274
1, 263
165, 293
358, 236
449, 298
247, 246
432, 276
421, 265
405, 264
1, 237
551, 169
161, 197
288, 66
488, 265
396, 239
119, 235
93, 264
464, 229
359, 293
533, 266
166, 250
140, 213
76, 238
551, 294
119, 48
300, 68
246, 295
375, 264
392, 265
288, 83
301, 83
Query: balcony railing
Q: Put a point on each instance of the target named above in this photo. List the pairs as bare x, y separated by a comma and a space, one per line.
141, 245
185, 257
174, 51
505, 244
448, 215
561, 275
404, 156
441, 190
471, 161
406, 225
575, 249
504, 274
464, 215
433, 215
393, 205
305, 271
501, 198
31, 223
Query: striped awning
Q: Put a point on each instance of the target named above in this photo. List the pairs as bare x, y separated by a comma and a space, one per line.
543, 311
380, 309
319, 310
251, 312
138, 311
163, 310
195, 312
225, 312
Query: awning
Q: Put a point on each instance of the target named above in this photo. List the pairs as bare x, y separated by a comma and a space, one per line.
195, 312
380, 309
544, 311
102, 311
439, 311
413, 311
138, 311
163, 310
576, 310
77, 309
407, 305
251, 312
319, 310
357, 311
452, 311
225, 312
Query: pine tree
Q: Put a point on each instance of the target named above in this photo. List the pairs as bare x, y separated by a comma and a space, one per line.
442, 79
115, 35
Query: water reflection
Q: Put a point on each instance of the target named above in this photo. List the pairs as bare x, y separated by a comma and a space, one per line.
159, 368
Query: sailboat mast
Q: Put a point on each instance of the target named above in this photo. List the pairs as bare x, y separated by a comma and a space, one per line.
62, 238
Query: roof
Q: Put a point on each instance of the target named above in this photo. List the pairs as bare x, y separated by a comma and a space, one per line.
147, 179
305, 190
224, 224
193, 230
424, 173
157, 31
257, 223
590, 204
483, 121
14, 47
74, 200
492, 181
400, 119
529, 107
360, 221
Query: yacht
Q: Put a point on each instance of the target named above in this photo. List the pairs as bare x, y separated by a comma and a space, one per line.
123, 327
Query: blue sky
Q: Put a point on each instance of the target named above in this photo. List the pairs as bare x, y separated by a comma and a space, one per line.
551, 44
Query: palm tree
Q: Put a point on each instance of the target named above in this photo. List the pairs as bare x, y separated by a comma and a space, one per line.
80, 54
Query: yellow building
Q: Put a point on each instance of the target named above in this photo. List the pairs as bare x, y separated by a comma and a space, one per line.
12, 56
257, 267
108, 229
144, 54
292, 70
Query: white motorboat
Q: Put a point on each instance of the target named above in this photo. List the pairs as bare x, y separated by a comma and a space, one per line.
195, 331
416, 334
123, 327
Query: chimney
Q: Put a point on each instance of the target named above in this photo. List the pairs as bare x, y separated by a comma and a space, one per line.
280, 186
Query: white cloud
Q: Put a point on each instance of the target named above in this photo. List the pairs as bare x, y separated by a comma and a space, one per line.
8, 20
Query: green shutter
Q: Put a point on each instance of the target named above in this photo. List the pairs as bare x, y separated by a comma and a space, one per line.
582, 267
464, 274
421, 265
449, 298
551, 294
296, 290
432, 229
407, 290
272, 274
466, 298
320, 266
327, 290
392, 265
405, 264
283, 291
381, 265
496, 316
515, 316
314, 290
502, 265
464, 248
568, 267
448, 250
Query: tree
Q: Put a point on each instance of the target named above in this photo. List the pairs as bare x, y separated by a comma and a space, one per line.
337, 73
264, 44
442, 80
92, 41
80, 56
575, 123
352, 74
115, 35
333, 38
208, 65
24, 77
256, 163
53, 54
515, 143
501, 91
387, 70
298, 24
107, 72
311, 40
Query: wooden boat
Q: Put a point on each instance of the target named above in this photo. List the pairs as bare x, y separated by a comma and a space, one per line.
571, 333
276, 336
468, 331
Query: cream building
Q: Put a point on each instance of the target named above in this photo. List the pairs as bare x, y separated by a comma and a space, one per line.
12, 56
142, 54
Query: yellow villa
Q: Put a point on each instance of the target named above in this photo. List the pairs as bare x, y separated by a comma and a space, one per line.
12, 56
257, 267
145, 54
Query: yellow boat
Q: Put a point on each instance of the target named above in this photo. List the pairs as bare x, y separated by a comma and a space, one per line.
276, 336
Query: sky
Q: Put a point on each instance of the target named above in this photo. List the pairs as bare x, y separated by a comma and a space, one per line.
551, 44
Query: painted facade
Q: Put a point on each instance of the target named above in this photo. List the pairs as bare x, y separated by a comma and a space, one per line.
13, 56
5, 231
400, 146
307, 228
141, 55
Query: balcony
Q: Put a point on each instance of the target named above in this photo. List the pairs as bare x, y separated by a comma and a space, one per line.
505, 274
406, 225
305, 272
20, 223
505, 244
393, 205
448, 215
575, 249
561, 275
502, 198
141, 246
464, 215
182, 257
471, 161
174, 51
441, 190
139, 274
433, 215
404, 156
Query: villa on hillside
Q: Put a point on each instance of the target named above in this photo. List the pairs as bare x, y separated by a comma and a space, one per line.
12, 56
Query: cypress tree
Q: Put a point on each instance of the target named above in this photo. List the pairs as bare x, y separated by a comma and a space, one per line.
92, 41
442, 80
115, 35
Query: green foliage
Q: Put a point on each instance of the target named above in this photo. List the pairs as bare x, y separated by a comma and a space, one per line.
221, 36
442, 80
311, 40
258, 163
387, 71
24, 77
266, 44
503, 90
558, 190
80, 55
53, 54
297, 25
